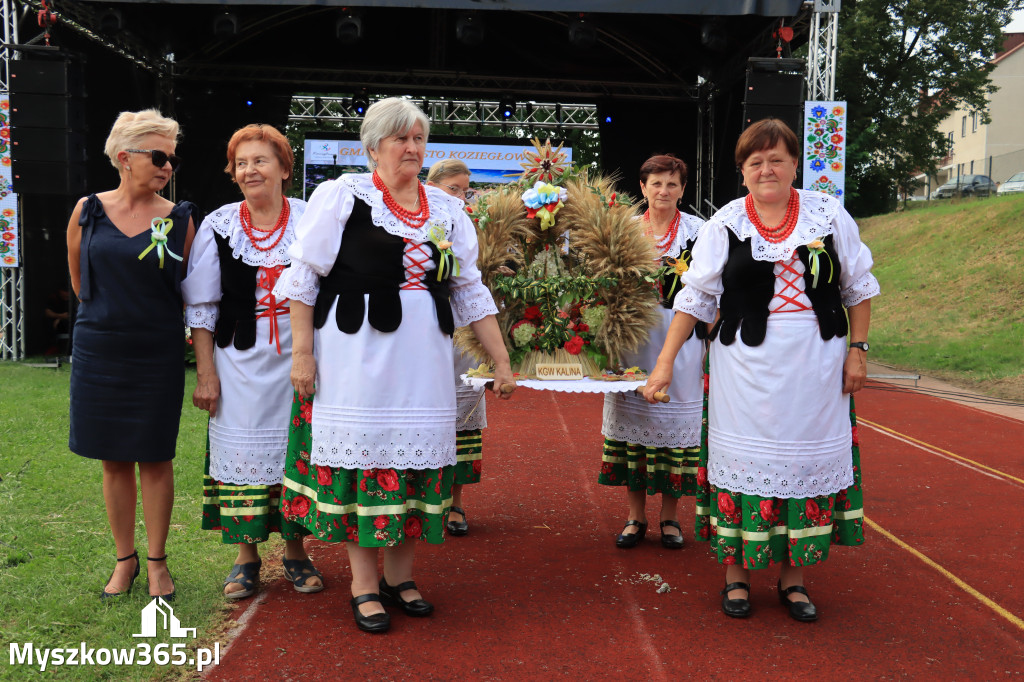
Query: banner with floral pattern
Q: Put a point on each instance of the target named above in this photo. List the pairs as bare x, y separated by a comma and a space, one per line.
8, 199
825, 148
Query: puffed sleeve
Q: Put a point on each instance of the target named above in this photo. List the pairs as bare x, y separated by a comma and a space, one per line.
856, 283
317, 240
471, 300
702, 283
201, 288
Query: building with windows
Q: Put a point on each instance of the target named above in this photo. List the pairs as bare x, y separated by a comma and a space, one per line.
996, 148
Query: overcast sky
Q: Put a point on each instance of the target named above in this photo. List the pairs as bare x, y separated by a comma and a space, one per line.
1017, 25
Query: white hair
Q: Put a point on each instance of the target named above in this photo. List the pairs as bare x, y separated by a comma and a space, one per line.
131, 126
391, 116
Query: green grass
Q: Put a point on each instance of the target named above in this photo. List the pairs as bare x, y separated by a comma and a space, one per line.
56, 551
952, 302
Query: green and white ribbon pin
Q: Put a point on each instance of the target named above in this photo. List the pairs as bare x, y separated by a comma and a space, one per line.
448, 259
158, 239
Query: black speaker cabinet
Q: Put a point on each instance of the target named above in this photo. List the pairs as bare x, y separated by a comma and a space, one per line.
47, 111
48, 177
46, 77
791, 115
47, 144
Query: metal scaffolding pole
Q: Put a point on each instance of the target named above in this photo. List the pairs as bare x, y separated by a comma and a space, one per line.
821, 74
12, 281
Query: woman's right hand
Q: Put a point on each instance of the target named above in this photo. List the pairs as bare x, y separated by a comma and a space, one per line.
657, 381
303, 374
207, 392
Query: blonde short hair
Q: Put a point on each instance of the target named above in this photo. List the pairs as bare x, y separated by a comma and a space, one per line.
447, 168
131, 126
391, 116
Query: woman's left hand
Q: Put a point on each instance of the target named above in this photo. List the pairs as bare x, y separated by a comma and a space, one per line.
855, 371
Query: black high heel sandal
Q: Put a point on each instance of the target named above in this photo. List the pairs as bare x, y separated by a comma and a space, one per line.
104, 595
170, 595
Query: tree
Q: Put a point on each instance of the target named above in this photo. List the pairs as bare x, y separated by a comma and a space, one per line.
902, 66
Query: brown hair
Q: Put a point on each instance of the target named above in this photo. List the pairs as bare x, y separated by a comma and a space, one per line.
663, 163
447, 168
259, 132
766, 134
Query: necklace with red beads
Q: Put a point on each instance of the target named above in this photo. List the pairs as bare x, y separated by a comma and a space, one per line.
411, 219
276, 233
780, 232
665, 242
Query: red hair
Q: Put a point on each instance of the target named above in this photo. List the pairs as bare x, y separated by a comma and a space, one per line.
260, 132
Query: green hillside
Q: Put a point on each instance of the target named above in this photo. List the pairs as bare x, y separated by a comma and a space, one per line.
952, 302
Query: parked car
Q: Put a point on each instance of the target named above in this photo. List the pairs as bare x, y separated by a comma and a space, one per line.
968, 186
1014, 185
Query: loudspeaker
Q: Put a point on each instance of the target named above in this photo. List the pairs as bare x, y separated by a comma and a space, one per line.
47, 144
48, 150
48, 177
791, 115
775, 88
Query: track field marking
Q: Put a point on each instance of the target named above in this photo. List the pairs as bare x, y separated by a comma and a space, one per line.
1013, 619
644, 634
945, 454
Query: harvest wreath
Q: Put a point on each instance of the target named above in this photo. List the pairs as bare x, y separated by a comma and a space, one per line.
570, 270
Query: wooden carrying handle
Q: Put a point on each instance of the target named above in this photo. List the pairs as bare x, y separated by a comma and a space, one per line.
505, 388
658, 395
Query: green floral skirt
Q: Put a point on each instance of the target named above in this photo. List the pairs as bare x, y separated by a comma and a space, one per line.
469, 454
372, 507
670, 471
244, 513
756, 532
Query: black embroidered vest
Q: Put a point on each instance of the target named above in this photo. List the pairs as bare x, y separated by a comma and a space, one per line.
370, 262
237, 318
749, 286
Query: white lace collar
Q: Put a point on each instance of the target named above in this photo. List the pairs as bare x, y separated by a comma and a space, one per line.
817, 211
226, 222
443, 208
689, 228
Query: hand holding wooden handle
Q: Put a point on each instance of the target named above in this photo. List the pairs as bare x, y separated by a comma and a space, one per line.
659, 396
505, 388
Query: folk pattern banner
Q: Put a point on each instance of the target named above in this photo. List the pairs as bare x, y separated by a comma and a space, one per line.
8, 199
825, 148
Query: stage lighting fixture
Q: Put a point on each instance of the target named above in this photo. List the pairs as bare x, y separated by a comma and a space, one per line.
582, 35
469, 30
507, 107
225, 25
349, 28
607, 119
111, 21
360, 103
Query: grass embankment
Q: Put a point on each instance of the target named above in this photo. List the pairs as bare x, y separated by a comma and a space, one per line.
56, 552
952, 303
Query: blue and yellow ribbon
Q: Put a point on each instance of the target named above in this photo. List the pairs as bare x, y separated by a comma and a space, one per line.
158, 239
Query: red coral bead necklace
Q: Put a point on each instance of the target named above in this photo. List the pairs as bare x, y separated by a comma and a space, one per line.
276, 233
780, 232
408, 217
664, 242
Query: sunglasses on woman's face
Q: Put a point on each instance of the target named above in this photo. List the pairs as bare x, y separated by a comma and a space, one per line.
159, 157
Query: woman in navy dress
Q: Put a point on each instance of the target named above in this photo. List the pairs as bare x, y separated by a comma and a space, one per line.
126, 250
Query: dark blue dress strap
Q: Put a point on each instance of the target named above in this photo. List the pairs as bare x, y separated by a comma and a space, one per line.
91, 210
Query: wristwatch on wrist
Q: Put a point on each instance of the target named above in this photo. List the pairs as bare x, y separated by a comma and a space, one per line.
863, 345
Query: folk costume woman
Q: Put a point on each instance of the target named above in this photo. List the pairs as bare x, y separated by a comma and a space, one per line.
783, 474
383, 270
653, 449
125, 253
242, 338
452, 177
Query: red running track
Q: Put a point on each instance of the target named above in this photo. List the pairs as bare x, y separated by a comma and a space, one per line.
538, 589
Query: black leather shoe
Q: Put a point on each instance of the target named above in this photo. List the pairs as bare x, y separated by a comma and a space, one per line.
629, 540
671, 541
803, 611
378, 622
458, 527
735, 608
392, 596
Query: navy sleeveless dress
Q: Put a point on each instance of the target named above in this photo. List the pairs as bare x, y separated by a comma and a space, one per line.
128, 368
